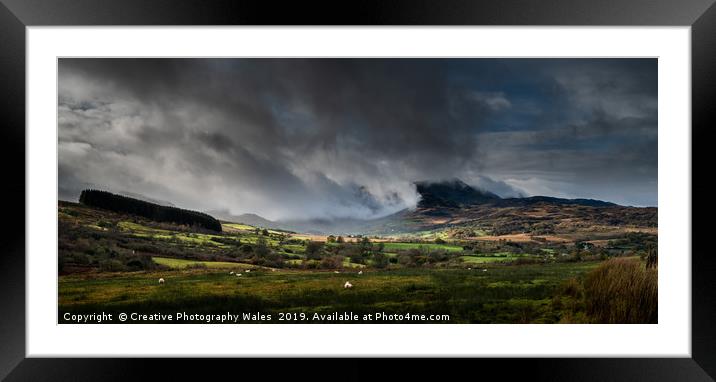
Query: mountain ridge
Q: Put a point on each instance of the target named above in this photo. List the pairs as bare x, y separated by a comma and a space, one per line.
454, 203
246, 218
456, 193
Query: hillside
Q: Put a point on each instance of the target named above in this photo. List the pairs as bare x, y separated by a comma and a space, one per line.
455, 209
118, 262
157, 212
455, 206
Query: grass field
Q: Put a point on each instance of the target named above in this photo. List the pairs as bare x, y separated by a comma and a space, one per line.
239, 226
181, 263
390, 246
485, 259
502, 294
112, 263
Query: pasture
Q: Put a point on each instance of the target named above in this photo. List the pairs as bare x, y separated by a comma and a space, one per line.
110, 262
394, 246
183, 263
502, 294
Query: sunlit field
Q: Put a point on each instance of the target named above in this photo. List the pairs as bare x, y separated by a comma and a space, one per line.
123, 259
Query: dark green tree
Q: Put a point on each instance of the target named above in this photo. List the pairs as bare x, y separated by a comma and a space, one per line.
313, 250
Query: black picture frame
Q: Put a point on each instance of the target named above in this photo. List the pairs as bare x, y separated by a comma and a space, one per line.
16, 15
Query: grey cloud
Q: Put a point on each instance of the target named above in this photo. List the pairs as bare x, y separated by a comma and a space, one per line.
493, 100
499, 187
292, 138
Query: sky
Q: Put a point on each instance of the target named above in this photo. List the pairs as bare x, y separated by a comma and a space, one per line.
295, 138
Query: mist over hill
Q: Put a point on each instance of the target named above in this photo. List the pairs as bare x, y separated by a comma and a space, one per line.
454, 203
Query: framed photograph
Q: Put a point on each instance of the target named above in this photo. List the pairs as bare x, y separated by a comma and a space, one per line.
488, 181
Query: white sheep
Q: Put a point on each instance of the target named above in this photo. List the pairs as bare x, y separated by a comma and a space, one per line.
161, 281
336, 272
484, 270
469, 269
360, 272
238, 275
248, 270
231, 273
347, 285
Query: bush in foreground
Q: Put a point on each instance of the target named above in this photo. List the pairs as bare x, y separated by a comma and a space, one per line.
622, 291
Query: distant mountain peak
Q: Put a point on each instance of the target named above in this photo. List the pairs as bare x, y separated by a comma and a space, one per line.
247, 218
252, 215
451, 193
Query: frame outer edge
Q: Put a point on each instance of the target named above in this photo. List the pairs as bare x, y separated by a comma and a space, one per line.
39, 12
12, 131
368, 12
703, 94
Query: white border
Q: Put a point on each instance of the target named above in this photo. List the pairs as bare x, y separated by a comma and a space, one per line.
671, 337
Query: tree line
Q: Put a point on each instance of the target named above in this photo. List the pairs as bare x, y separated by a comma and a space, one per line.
124, 204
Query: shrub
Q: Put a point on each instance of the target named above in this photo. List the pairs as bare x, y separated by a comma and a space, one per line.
313, 250
138, 263
438, 256
622, 291
309, 265
651, 257
105, 224
526, 260
405, 259
111, 265
365, 243
572, 288
380, 260
261, 248
331, 262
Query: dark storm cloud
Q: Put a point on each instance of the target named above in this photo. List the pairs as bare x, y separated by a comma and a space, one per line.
291, 138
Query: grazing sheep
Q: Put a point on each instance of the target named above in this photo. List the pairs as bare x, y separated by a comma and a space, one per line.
347, 285
360, 272
248, 270
484, 270
238, 275
336, 272
161, 281
231, 273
